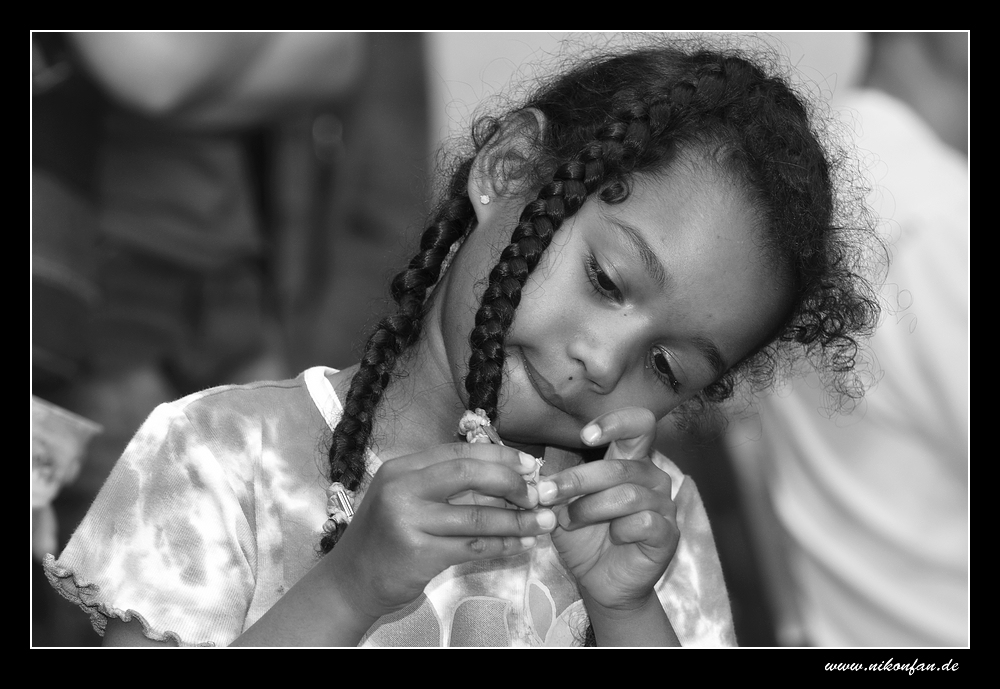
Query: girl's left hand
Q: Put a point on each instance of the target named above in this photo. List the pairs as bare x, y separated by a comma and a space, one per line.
617, 522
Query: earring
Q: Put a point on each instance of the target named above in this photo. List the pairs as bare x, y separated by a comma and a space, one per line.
484, 199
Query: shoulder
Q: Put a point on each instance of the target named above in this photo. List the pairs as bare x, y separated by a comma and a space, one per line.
213, 507
235, 410
242, 431
251, 396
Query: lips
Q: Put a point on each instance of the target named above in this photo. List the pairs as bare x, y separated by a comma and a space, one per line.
543, 387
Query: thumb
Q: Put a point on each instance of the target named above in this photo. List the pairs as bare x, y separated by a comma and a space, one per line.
630, 433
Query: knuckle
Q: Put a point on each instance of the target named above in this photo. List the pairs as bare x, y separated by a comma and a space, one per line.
390, 470
393, 492
488, 451
479, 546
463, 470
570, 482
476, 519
647, 521
629, 494
527, 522
621, 470
453, 451
490, 547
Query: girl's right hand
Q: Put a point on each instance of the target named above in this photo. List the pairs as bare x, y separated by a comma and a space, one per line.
405, 532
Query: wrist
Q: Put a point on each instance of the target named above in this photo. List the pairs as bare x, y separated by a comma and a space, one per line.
642, 624
345, 591
317, 611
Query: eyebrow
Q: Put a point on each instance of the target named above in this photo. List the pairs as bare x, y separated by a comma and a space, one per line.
712, 353
639, 246
651, 263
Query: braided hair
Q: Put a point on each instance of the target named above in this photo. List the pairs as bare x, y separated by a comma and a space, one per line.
606, 121
610, 120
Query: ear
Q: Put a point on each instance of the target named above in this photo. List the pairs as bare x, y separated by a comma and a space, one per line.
500, 169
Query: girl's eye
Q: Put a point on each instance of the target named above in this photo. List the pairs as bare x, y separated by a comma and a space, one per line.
661, 364
603, 284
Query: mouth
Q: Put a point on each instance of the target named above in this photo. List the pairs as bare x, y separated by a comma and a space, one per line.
542, 386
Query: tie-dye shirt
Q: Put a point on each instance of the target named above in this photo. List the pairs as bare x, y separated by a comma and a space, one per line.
216, 509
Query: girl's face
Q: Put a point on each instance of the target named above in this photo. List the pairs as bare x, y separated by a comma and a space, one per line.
638, 304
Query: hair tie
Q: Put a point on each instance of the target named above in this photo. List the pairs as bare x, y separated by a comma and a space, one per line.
477, 428
339, 506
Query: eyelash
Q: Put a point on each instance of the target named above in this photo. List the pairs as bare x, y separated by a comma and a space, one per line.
597, 274
609, 290
667, 377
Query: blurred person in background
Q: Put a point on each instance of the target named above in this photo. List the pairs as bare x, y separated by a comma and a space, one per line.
197, 198
862, 518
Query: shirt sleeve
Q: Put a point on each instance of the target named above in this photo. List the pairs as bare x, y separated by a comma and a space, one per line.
693, 590
166, 541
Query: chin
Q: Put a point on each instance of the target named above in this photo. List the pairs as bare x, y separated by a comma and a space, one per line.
559, 434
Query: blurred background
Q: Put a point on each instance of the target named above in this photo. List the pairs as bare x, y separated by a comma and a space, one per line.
218, 208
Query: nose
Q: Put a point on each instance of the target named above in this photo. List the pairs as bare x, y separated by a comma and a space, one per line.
601, 356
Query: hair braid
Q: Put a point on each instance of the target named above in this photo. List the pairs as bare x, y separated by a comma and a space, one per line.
751, 124
571, 184
393, 336
602, 165
610, 121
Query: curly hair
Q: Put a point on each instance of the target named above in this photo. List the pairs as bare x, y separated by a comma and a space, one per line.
608, 120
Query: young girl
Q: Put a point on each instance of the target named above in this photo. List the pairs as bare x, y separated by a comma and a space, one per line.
655, 227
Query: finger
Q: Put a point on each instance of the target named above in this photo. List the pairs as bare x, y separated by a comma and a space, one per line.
629, 432
445, 480
521, 462
649, 528
614, 503
594, 477
472, 521
457, 550
472, 498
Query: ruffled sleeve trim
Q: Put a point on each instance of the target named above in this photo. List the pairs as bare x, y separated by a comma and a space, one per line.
85, 596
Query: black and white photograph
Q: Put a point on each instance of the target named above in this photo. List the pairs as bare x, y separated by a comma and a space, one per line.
412, 339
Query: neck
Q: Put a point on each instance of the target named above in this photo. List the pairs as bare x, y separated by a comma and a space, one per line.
421, 407
424, 402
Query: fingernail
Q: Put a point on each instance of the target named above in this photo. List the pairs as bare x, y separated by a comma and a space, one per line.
546, 491
546, 519
591, 434
532, 495
528, 541
528, 463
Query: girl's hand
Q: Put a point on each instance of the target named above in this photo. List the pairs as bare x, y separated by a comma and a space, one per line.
406, 531
617, 522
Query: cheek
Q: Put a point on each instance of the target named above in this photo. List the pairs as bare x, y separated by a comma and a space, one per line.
648, 394
549, 305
